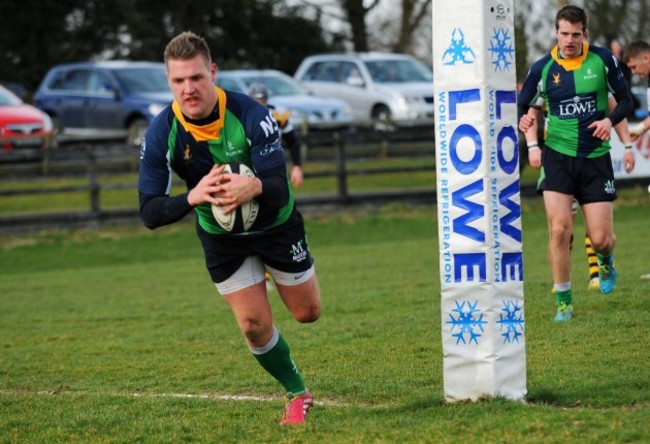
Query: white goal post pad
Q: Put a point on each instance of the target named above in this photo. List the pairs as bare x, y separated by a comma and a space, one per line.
479, 207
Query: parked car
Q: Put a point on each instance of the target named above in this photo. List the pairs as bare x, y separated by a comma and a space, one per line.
375, 85
104, 96
285, 93
22, 125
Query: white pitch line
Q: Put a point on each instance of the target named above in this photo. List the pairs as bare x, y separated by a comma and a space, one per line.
209, 396
218, 397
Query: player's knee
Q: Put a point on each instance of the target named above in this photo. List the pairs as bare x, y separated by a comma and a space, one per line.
560, 233
307, 314
603, 243
252, 329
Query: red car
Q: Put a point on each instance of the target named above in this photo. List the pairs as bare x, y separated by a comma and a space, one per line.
22, 125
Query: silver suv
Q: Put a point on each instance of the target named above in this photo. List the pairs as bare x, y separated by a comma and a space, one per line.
375, 85
286, 94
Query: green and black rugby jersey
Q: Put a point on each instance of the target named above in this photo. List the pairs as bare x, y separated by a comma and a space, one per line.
575, 92
241, 130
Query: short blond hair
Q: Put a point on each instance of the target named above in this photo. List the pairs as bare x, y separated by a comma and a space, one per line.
187, 45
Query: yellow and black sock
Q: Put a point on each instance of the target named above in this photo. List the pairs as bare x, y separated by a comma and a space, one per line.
592, 259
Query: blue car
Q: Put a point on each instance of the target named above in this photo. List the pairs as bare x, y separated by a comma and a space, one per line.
118, 98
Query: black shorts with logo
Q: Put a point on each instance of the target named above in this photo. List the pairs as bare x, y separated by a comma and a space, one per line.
284, 248
587, 179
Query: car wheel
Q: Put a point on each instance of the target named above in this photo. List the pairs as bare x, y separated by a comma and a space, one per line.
135, 131
381, 112
381, 118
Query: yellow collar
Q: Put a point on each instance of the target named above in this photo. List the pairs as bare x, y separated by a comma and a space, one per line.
210, 131
570, 64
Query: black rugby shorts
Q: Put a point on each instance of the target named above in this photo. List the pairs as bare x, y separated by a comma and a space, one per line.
587, 179
284, 248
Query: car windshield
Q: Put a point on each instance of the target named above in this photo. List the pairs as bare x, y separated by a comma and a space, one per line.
390, 71
8, 99
143, 80
277, 86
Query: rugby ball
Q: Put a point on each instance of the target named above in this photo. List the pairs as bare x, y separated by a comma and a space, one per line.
244, 216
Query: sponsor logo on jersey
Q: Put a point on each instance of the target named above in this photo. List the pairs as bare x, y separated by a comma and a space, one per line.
232, 150
590, 75
556, 79
271, 148
187, 155
577, 106
269, 125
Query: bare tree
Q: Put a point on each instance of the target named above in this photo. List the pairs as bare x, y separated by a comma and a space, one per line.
397, 27
356, 14
413, 14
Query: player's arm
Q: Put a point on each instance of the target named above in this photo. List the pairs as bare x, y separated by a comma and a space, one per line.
291, 142
532, 143
157, 206
529, 97
640, 128
624, 104
624, 136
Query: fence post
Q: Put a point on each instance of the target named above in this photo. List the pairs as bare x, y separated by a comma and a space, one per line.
93, 182
341, 173
304, 131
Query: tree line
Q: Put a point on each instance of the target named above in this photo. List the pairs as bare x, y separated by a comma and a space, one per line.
264, 33
242, 33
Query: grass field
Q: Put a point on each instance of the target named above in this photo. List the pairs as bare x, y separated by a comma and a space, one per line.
118, 336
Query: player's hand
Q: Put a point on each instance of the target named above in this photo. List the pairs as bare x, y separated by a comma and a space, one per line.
204, 191
629, 161
296, 176
235, 189
637, 130
526, 122
535, 158
602, 128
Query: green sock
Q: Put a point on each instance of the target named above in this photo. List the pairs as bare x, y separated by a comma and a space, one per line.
564, 297
602, 259
275, 358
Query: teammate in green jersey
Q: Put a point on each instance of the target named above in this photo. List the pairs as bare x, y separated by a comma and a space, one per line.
574, 81
201, 131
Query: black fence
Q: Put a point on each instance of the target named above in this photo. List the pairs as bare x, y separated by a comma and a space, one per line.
332, 145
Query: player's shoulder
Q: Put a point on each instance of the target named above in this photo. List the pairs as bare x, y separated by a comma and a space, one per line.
244, 108
539, 65
160, 126
605, 54
239, 103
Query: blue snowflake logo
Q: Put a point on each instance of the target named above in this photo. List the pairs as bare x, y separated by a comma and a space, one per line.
469, 327
502, 50
512, 320
458, 50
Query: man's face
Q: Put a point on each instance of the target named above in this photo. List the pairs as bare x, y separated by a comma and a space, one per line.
640, 65
569, 38
192, 84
